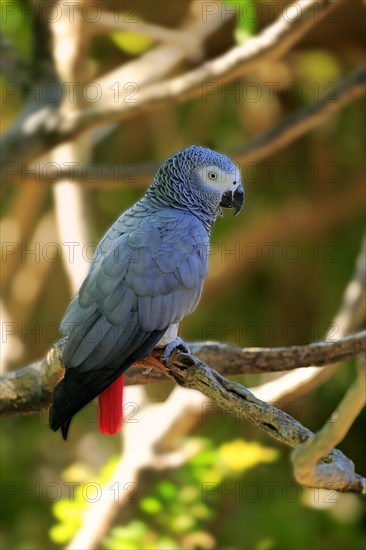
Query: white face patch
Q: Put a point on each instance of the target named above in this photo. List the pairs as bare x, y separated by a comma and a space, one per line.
218, 179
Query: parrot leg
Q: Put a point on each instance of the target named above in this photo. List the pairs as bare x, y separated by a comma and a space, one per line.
169, 336
178, 343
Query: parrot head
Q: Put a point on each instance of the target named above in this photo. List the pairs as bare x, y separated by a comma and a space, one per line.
200, 180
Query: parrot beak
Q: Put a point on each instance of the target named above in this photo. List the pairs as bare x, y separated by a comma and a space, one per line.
233, 200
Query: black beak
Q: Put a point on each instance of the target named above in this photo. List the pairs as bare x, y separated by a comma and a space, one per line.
233, 200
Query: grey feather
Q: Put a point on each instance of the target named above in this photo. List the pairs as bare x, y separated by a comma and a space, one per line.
119, 313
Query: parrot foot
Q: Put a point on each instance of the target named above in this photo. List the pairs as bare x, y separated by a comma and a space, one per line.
178, 343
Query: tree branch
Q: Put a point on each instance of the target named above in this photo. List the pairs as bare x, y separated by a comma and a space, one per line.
306, 456
295, 125
333, 467
33, 134
29, 389
70, 45
286, 131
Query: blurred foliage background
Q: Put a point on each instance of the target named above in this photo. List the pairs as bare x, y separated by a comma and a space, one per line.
295, 247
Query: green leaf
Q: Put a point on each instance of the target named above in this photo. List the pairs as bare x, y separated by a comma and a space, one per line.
167, 490
248, 14
183, 523
62, 533
17, 25
151, 505
128, 537
131, 42
240, 455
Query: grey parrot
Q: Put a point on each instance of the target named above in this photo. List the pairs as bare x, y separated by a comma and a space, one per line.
146, 276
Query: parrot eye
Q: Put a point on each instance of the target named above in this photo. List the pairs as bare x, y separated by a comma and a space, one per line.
212, 175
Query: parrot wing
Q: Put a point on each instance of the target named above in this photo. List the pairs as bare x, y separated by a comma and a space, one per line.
147, 273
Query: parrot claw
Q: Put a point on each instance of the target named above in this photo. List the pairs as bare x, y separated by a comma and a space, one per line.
147, 371
178, 343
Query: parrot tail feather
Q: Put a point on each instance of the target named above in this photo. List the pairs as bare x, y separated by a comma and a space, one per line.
110, 407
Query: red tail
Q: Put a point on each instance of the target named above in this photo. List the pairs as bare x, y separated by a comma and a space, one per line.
110, 403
